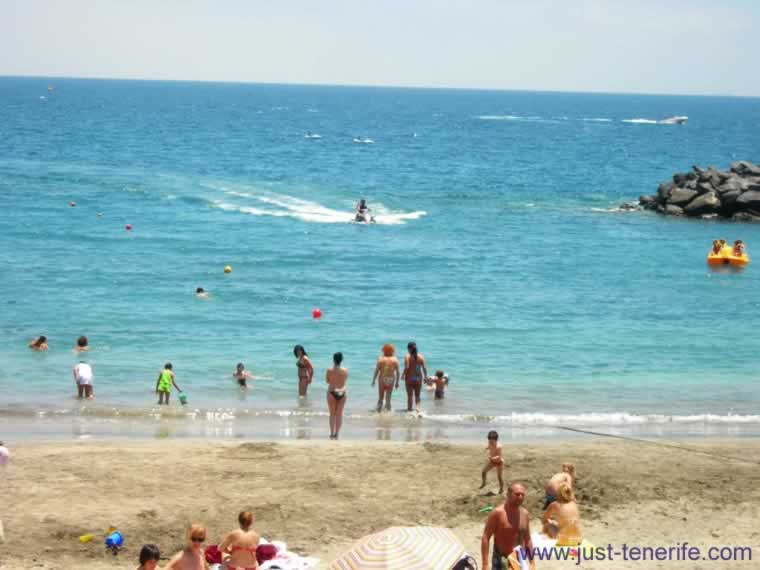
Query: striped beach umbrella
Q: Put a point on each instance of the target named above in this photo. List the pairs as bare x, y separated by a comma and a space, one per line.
403, 548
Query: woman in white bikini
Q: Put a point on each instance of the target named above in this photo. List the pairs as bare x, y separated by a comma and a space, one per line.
387, 371
336, 378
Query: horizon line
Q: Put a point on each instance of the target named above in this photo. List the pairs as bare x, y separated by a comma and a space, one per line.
367, 86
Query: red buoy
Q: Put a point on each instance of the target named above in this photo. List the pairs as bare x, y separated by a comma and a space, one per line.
317, 313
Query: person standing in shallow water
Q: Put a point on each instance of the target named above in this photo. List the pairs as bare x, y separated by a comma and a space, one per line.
336, 378
415, 372
387, 373
305, 370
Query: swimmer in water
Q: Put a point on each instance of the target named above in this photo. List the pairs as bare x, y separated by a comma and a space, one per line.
201, 293
739, 248
242, 375
39, 344
716, 247
82, 345
440, 382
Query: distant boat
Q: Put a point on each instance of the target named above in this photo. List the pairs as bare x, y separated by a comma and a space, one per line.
363, 140
679, 120
312, 136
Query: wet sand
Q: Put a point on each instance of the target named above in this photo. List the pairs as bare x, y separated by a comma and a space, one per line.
320, 496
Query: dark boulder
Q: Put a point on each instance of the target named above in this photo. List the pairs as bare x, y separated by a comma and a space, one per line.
730, 185
673, 210
703, 187
679, 179
745, 168
745, 217
680, 197
645, 200
705, 204
691, 185
749, 200
664, 190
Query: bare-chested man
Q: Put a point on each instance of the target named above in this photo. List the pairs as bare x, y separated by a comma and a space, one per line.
567, 475
192, 557
509, 525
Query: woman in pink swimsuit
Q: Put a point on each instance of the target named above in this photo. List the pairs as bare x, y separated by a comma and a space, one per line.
238, 548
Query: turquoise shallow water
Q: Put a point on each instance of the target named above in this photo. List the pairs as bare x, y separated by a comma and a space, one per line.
493, 251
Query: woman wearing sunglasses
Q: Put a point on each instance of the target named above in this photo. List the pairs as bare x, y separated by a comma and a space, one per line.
192, 557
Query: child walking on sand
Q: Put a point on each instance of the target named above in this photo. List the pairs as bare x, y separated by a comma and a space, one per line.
494, 460
164, 384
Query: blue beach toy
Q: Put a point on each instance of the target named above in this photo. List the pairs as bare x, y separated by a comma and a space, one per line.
114, 541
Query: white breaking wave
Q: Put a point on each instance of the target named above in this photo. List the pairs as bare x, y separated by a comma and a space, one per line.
641, 121
599, 419
506, 118
283, 206
596, 120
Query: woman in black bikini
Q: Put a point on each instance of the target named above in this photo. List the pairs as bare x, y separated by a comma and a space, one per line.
336, 378
305, 370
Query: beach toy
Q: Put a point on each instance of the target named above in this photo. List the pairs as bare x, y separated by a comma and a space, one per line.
85, 538
114, 540
727, 257
128, 227
183, 399
317, 313
227, 269
486, 509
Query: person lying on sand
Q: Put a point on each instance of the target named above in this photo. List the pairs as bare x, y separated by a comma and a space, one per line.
192, 557
552, 486
494, 460
562, 519
238, 548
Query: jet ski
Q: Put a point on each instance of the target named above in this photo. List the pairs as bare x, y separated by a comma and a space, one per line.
312, 136
364, 217
363, 140
674, 121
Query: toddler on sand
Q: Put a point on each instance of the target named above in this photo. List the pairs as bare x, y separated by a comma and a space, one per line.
494, 460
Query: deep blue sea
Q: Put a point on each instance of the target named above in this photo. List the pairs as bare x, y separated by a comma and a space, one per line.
495, 250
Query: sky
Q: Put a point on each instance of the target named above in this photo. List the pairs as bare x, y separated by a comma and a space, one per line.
629, 46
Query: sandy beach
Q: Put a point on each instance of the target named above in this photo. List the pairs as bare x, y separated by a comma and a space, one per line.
321, 496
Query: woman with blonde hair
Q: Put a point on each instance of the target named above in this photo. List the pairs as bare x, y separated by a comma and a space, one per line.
387, 372
238, 548
562, 519
193, 556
